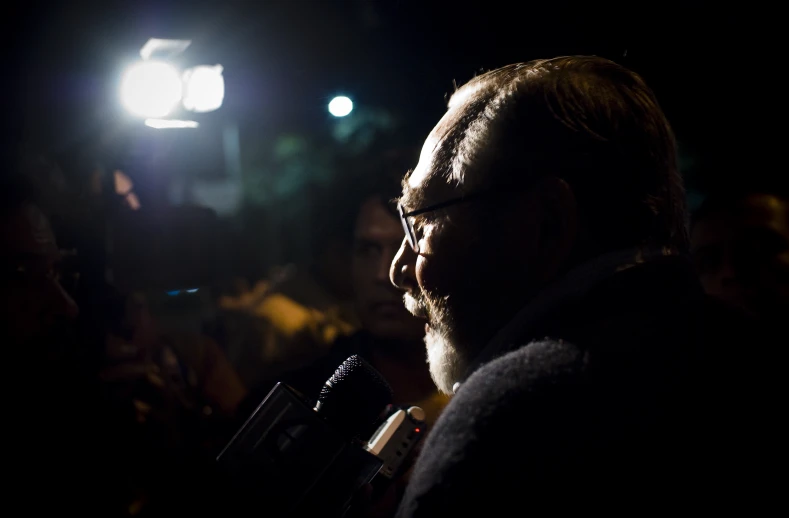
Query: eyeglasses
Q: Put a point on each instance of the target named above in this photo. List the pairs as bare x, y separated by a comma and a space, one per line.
408, 225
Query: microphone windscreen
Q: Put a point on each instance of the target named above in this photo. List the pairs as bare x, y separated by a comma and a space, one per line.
354, 397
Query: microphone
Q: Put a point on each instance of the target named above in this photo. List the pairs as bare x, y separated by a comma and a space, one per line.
290, 459
355, 384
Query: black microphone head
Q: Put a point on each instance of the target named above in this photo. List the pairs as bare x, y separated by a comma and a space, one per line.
354, 397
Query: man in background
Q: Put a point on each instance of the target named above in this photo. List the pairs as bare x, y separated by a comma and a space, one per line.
127, 413
390, 339
57, 423
740, 245
35, 307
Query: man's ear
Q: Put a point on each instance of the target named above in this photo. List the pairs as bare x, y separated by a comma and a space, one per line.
558, 224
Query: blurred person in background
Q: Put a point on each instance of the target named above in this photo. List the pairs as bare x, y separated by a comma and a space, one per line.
35, 306
142, 411
56, 418
390, 339
179, 394
740, 245
86, 212
175, 386
191, 367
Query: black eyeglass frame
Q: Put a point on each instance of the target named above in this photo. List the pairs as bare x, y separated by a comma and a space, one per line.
408, 227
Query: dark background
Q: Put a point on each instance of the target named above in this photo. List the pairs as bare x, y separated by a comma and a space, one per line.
284, 60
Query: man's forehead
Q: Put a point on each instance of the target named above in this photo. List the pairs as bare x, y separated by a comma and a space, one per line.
419, 182
421, 173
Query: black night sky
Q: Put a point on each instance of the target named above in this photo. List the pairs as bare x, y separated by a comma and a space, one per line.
284, 59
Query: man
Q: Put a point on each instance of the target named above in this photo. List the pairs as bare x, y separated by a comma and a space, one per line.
390, 339
53, 411
35, 306
740, 244
67, 417
545, 229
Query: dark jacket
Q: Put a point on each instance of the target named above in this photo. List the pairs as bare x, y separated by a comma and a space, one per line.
620, 390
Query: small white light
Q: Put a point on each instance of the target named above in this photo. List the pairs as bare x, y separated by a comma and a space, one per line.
340, 106
151, 89
193, 290
170, 123
204, 89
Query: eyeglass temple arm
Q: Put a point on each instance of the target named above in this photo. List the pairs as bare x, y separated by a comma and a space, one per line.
444, 204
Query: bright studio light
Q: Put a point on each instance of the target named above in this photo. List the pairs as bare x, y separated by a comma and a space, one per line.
151, 89
204, 88
340, 106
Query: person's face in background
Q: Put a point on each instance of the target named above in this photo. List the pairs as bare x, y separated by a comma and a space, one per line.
33, 302
742, 254
377, 237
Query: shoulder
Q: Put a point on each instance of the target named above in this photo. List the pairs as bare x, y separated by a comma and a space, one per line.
519, 407
521, 373
529, 366
501, 392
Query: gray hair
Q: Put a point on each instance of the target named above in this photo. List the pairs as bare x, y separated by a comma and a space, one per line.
587, 120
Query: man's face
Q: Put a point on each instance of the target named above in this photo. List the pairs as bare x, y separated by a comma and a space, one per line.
33, 302
742, 256
471, 272
377, 237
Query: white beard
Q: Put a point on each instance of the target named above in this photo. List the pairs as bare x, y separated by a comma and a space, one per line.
447, 365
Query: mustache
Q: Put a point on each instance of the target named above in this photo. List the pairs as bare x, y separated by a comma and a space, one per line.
416, 305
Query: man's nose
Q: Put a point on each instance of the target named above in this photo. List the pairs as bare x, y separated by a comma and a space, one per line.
402, 273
